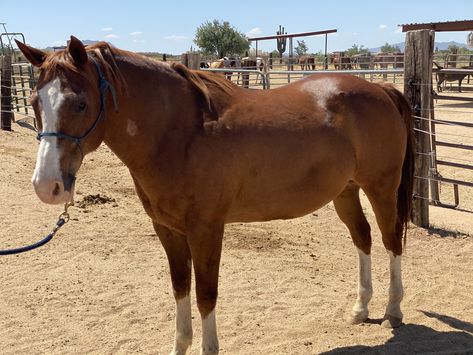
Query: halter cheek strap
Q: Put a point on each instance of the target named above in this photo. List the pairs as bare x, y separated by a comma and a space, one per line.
103, 86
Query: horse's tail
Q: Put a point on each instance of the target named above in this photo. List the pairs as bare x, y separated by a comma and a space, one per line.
404, 192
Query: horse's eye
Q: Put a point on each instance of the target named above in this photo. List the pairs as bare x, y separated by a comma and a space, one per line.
81, 106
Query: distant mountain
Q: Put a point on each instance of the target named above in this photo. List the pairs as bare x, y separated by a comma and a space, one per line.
87, 42
441, 46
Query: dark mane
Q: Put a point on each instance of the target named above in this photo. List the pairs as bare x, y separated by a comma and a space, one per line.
214, 88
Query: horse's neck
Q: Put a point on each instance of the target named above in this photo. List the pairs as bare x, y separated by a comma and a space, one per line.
156, 112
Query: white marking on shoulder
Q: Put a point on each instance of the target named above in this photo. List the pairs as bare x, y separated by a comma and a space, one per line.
47, 161
131, 128
322, 90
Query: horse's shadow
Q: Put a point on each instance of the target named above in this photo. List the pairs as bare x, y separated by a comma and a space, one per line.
420, 339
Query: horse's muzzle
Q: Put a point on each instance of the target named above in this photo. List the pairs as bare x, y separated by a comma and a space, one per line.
55, 191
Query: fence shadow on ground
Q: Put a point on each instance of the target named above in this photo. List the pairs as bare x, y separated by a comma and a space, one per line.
447, 233
25, 124
420, 339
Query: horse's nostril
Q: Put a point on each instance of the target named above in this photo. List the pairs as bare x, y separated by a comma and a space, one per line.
57, 189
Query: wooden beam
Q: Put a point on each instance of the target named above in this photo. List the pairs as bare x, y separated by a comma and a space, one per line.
417, 89
292, 35
466, 25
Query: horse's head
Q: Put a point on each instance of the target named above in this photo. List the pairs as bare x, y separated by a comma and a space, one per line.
68, 104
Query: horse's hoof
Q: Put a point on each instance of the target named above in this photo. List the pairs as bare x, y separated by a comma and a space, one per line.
391, 321
358, 317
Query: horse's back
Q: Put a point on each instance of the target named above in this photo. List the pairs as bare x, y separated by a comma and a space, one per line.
286, 152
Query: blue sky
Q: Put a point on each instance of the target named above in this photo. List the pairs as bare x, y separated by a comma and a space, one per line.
169, 26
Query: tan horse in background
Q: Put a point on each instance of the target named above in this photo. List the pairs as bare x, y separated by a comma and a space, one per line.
204, 152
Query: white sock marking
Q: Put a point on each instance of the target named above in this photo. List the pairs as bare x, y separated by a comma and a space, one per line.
365, 288
183, 337
209, 335
396, 291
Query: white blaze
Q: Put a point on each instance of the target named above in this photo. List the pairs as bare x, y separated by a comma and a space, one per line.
47, 161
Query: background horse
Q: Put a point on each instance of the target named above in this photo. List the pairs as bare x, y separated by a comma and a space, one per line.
204, 152
448, 77
307, 62
224, 62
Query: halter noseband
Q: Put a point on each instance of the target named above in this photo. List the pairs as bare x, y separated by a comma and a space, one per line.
103, 86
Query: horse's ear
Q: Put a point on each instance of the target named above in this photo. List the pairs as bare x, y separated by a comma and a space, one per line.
33, 55
77, 51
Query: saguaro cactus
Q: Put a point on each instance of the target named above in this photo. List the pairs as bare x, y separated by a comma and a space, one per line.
281, 42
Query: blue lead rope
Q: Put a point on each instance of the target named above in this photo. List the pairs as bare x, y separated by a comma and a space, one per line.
63, 219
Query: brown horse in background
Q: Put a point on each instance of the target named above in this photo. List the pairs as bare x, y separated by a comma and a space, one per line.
204, 152
307, 62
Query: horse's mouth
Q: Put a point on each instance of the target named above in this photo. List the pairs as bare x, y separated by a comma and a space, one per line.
55, 192
69, 182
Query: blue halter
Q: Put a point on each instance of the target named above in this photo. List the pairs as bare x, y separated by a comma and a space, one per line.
103, 86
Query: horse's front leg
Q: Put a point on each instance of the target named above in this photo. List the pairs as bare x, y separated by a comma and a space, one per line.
179, 257
205, 243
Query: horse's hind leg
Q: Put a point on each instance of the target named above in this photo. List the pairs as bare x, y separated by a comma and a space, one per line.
384, 202
179, 257
349, 209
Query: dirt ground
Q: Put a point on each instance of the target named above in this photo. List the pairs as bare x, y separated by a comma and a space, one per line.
286, 287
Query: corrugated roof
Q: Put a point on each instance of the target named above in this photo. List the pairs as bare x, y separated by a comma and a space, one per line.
463, 25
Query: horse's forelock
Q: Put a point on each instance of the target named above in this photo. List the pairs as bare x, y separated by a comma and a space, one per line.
55, 63
102, 53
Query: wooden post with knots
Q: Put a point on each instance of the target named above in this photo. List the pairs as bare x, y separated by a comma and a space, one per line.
418, 89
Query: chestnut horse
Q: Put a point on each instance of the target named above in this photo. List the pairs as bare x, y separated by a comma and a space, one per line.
204, 152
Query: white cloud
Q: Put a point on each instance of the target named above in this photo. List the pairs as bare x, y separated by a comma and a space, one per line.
176, 37
106, 29
382, 27
398, 30
136, 33
139, 41
111, 35
253, 32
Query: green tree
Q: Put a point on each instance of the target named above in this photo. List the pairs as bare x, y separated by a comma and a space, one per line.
301, 48
355, 49
275, 53
453, 48
389, 48
220, 39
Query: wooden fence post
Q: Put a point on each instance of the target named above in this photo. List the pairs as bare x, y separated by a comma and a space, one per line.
6, 113
191, 60
418, 90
